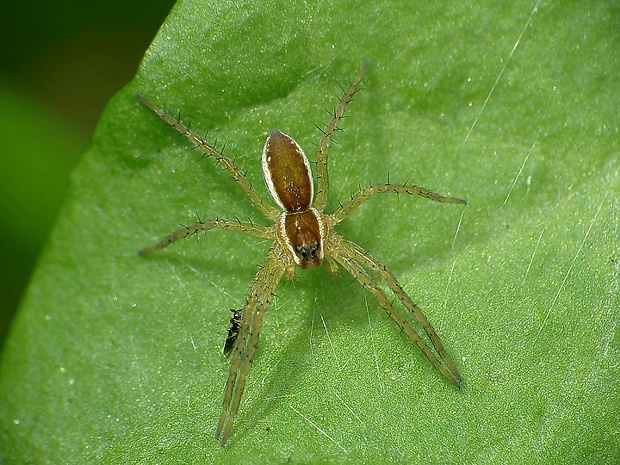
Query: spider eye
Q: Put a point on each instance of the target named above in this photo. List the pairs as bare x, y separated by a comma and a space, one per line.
308, 251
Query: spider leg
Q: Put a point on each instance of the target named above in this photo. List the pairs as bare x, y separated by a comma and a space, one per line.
256, 304
321, 154
248, 229
364, 194
353, 258
238, 175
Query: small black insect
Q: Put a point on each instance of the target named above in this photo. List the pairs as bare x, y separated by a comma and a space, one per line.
233, 332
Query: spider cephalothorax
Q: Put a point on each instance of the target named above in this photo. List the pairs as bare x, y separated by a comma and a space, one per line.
302, 236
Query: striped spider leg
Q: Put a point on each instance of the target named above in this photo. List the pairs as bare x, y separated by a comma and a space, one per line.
303, 237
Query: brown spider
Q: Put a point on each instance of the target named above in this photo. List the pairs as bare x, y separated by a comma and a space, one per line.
302, 236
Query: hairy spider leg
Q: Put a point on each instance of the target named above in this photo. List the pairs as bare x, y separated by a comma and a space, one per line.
358, 272
352, 256
265, 282
321, 154
249, 229
239, 176
361, 196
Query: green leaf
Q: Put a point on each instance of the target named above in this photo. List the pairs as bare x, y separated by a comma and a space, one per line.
116, 358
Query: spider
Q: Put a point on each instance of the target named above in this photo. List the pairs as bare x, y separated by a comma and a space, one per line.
303, 237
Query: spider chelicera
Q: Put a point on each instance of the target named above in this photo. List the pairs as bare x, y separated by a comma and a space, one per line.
303, 236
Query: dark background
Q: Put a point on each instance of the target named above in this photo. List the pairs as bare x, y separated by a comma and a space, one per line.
60, 62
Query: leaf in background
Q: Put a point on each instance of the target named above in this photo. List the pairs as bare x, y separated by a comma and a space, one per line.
116, 358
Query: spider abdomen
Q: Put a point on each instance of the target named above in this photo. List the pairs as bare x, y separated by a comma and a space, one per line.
287, 173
